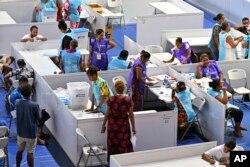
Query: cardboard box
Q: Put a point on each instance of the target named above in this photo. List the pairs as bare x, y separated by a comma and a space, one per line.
96, 7
108, 32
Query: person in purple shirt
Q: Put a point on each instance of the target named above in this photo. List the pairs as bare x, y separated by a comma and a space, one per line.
181, 51
137, 79
98, 50
208, 68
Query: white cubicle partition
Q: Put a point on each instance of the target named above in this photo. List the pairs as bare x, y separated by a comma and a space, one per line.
149, 27
131, 46
180, 156
146, 122
6, 18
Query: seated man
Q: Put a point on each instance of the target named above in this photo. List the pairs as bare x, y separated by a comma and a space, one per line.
15, 95
5, 62
181, 51
219, 153
33, 36
120, 62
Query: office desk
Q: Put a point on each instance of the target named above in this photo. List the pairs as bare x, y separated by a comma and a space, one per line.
167, 7
165, 56
6, 18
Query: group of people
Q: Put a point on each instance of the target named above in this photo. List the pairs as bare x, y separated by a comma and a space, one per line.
69, 10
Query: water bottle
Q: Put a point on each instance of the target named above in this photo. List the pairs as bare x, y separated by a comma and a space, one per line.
166, 82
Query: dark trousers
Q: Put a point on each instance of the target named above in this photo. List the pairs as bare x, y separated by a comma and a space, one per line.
236, 114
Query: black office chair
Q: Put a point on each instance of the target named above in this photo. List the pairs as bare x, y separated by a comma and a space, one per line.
194, 57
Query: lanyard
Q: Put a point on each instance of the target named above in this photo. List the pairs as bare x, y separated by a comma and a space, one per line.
99, 45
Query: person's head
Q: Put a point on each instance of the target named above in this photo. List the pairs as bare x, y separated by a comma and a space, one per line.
62, 26
225, 26
33, 31
23, 81
204, 58
180, 86
26, 91
21, 63
99, 33
220, 18
73, 44
245, 22
178, 42
92, 73
229, 146
144, 56
215, 84
123, 55
119, 86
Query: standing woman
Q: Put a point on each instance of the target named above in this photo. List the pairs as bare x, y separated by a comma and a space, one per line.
72, 9
137, 80
214, 41
227, 44
119, 112
98, 50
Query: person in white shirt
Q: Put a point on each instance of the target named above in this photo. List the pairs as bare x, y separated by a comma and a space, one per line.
219, 153
33, 36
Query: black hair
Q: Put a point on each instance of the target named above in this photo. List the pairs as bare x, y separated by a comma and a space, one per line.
92, 71
145, 54
26, 90
181, 86
218, 17
245, 19
33, 27
124, 54
231, 144
23, 79
214, 83
99, 31
224, 25
62, 25
74, 42
203, 55
21, 63
178, 39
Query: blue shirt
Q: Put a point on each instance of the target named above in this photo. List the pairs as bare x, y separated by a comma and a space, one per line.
117, 63
27, 116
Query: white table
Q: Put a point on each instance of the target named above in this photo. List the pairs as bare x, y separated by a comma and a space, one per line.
165, 56
167, 7
6, 18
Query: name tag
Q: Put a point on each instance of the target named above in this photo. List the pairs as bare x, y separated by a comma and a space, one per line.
99, 56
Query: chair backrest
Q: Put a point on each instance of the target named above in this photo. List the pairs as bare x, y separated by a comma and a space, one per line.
4, 130
199, 103
236, 74
3, 142
91, 19
81, 134
154, 48
114, 3
119, 77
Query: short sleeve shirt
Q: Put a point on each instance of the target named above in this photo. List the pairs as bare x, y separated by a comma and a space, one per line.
217, 153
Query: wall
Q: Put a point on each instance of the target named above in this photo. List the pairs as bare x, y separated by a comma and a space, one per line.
234, 10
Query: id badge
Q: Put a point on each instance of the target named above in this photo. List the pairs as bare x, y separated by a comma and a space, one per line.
99, 56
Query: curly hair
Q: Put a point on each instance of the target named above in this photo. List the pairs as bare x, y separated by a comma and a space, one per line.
119, 86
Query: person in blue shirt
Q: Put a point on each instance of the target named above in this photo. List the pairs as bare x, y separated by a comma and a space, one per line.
220, 93
44, 5
27, 117
120, 62
71, 59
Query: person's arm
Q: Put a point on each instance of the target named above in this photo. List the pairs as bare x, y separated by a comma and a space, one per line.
132, 118
237, 27
224, 99
139, 76
82, 64
198, 72
129, 64
90, 53
106, 117
41, 38
208, 158
231, 42
27, 39
216, 32
245, 45
112, 44
188, 57
169, 61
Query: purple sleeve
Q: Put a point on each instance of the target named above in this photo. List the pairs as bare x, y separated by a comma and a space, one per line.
216, 67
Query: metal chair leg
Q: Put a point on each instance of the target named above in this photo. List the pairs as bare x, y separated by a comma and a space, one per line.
80, 159
99, 159
86, 162
186, 131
